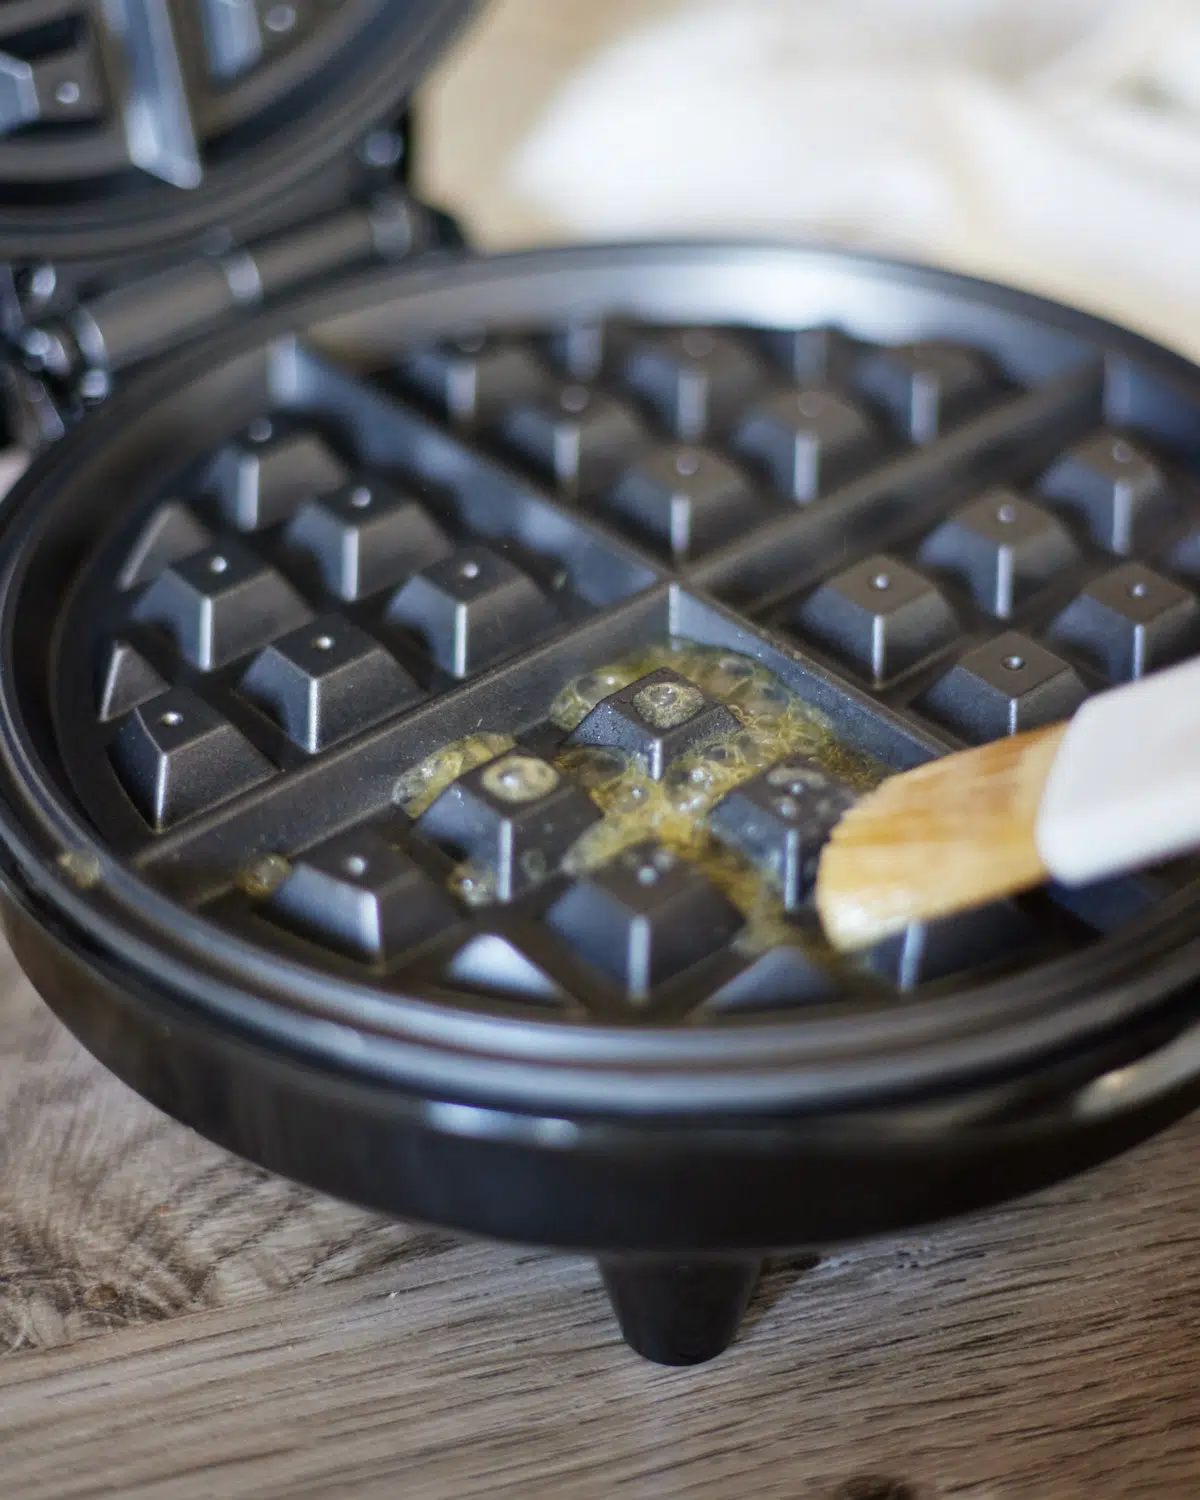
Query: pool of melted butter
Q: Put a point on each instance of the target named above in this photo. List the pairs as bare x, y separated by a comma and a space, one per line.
776, 725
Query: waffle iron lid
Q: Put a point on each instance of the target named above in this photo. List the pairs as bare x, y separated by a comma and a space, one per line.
132, 123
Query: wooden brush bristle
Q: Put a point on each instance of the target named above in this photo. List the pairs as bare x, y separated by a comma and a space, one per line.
950, 835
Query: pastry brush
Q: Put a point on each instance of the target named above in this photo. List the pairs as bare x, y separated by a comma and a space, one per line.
1113, 789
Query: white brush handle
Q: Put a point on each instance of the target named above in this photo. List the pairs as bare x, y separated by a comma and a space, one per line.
1124, 789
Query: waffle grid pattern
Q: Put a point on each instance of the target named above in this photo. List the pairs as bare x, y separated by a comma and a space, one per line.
150, 84
398, 563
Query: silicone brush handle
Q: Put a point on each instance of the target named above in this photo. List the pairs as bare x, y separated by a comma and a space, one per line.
1124, 788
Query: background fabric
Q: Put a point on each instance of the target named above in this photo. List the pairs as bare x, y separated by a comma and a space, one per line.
1051, 143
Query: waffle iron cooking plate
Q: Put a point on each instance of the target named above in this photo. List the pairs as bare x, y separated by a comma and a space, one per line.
422, 704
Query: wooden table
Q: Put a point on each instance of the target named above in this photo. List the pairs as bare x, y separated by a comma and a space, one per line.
180, 1325
183, 1326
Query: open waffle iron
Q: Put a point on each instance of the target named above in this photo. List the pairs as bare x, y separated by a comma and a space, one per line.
423, 696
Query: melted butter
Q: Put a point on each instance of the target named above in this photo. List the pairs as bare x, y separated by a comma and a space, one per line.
422, 784
474, 884
776, 725
262, 877
81, 867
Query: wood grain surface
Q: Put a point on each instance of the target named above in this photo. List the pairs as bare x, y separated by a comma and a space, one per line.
249, 1339
179, 1326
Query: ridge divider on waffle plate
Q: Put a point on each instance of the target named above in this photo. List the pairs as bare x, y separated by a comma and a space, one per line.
1009, 441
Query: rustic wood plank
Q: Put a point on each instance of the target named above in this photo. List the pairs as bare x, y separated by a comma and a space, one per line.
1052, 1349
111, 1214
1049, 1350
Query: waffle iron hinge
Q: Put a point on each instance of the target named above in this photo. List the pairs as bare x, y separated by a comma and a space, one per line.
71, 334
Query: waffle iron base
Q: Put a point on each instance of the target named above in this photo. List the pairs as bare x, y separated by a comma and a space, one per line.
404, 793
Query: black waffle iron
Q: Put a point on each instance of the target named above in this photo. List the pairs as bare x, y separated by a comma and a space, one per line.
426, 686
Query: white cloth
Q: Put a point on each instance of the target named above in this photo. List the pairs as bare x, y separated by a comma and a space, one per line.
13, 463
1049, 143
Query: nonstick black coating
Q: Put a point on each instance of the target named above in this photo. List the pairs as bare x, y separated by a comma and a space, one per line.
140, 128
967, 1064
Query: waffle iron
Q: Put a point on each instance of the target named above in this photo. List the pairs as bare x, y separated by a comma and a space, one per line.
427, 679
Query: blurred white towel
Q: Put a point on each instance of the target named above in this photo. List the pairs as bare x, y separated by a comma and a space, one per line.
1051, 143
12, 466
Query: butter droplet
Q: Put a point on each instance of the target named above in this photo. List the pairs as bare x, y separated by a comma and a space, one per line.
519, 778
262, 877
664, 705
81, 868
